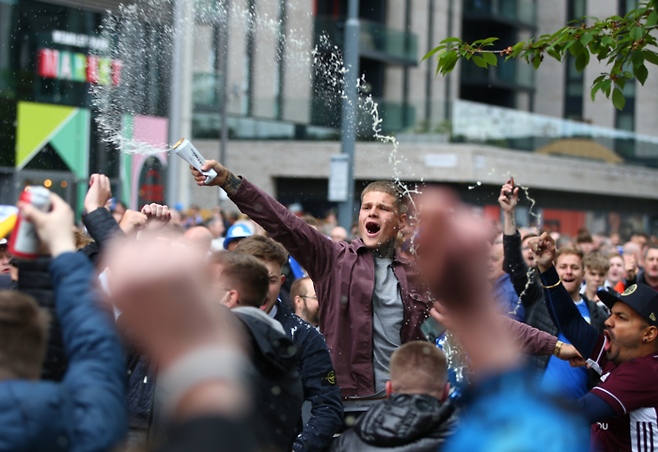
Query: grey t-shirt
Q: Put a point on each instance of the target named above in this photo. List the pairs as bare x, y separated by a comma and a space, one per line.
387, 318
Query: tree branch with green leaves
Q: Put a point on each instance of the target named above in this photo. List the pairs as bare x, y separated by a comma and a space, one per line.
622, 42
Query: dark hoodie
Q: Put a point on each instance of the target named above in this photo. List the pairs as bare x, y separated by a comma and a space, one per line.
401, 423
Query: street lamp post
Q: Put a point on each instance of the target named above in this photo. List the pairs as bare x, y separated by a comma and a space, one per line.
349, 108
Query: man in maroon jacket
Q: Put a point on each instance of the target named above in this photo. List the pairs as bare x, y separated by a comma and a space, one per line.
371, 299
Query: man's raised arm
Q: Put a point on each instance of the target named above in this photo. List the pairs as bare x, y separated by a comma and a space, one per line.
560, 305
311, 249
523, 280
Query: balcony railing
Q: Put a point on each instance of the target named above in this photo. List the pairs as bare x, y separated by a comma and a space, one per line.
376, 41
474, 122
523, 12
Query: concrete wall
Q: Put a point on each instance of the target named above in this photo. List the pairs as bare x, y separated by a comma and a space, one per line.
263, 162
550, 78
600, 112
298, 63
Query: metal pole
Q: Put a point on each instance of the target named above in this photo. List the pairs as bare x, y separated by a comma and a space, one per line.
349, 110
175, 101
447, 115
224, 52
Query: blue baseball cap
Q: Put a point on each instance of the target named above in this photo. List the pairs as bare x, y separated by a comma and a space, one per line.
237, 231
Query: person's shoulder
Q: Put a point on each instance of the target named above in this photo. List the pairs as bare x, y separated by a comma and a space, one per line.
300, 330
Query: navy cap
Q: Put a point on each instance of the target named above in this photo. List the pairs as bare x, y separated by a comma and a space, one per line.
639, 297
237, 231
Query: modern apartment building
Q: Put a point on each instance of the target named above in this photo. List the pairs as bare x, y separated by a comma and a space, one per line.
278, 85
586, 164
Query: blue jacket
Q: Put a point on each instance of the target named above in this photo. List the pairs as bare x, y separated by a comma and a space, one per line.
85, 411
319, 380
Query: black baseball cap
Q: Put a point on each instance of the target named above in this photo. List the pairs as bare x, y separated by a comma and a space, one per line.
639, 297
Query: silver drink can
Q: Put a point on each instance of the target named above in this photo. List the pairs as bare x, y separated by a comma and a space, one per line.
24, 242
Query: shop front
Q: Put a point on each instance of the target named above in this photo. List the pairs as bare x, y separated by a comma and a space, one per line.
50, 57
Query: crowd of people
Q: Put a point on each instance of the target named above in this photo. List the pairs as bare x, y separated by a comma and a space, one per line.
268, 330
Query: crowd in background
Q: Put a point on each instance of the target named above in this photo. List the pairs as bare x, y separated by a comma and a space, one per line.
268, 329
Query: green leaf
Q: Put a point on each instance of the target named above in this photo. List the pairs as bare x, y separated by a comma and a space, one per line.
652, 19
641, 73
449, 40
449, 66
581, 61
636, 33
586, 38
554, 54
618, 99
637, 58
480, 61
490, 58
576, 48
651, 57
432, 52
607, 40
605, 87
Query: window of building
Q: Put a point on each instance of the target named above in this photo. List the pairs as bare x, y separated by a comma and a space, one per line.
574, 80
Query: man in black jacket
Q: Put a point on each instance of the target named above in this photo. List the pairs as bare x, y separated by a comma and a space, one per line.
527, 285
315, 365
416, 416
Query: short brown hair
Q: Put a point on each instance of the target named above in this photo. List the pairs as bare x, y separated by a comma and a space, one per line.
23, 336
418, 367
247, 274
263, 248
596, 261
82, 239
568, 250
297, 288
584, 236
392, 189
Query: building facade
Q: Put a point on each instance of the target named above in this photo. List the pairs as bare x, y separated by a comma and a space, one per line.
271, 71
587, 163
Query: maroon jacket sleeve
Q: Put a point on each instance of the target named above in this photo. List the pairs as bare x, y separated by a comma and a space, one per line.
529, 340
312, 250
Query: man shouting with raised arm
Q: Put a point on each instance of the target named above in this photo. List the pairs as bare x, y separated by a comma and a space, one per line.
370, 298
623, 407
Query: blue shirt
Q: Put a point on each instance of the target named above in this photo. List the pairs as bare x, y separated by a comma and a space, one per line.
507, 300
562, 379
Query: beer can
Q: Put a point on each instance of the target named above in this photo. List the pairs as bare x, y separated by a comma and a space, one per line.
24, 241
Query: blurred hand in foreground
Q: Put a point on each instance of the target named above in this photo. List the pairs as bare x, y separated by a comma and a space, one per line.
452, 258
164, 294
54, 228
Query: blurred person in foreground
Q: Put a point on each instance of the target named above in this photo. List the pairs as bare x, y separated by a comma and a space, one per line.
503, 411
204, 371
416, 416
85, 411
623, 407
315, 365
371, 299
